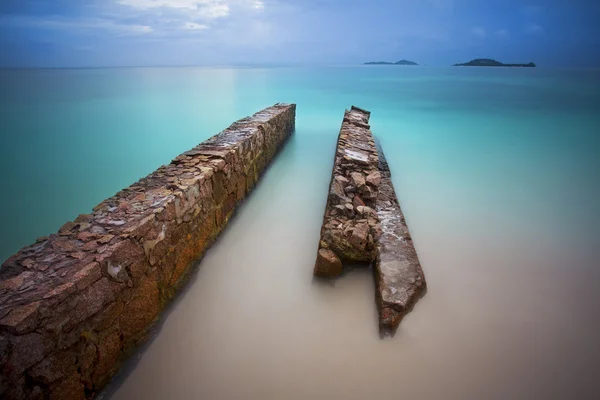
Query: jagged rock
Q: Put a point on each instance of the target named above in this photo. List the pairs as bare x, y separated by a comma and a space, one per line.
337, 193
358, 180
359, 236
328, 264
357, 202
374, 179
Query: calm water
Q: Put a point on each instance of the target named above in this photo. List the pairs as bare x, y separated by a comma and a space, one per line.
497, 171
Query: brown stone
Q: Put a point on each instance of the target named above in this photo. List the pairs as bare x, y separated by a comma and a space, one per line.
328, 264
92, 300
109, 349
358, 180
141, 310
70, 388
61, 292
16, 282
22, 319
374, 179
359, 236
337, 194
357, 202
54, 367
86, 363
27, 350
87, 275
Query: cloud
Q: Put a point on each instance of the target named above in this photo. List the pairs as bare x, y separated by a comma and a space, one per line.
185, 4
80, 24
202, 9
479, 32
194, 26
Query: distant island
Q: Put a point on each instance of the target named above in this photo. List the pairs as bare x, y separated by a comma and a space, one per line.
401, 62
488, 62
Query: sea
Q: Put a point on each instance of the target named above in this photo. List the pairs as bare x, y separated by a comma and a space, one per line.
497, 171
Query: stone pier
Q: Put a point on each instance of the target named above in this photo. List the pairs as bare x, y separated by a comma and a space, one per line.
363, 222
73, 304
350, 223
399, 278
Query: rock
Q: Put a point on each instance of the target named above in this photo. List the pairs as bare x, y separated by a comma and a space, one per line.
141, 310
359, 236
328, 264
66, 228
87, 275
22, 319
374, 179
28, 350
70, 388
16, 282
109, 349
336, 193
357, 202
358, 180
92, 300
368, 193
54, 367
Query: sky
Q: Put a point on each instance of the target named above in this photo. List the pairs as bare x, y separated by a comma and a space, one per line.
87, 33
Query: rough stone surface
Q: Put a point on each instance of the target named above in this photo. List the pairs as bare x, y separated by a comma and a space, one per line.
345, 232
399, 278
74, 302
328, 263
363, 222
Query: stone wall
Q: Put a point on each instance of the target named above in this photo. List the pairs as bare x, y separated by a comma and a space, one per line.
350, 223
363, 223
73, 304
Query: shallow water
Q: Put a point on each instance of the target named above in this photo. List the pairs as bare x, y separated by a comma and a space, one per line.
497, 174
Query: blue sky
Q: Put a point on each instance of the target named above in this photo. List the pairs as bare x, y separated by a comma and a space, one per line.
36, 33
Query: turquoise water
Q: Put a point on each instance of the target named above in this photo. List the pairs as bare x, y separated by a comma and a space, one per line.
497, 171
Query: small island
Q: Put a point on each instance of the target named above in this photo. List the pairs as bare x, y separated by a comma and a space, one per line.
401, 62
488, 62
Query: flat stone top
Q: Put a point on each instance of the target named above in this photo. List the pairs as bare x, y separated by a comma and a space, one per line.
74, 252
400, 277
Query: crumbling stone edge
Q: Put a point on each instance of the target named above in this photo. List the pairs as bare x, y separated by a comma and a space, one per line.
74, 304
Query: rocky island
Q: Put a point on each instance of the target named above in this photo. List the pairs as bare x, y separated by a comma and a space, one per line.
401, 62
488, 62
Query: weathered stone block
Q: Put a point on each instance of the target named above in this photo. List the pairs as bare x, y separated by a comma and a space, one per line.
328, 263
